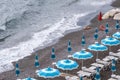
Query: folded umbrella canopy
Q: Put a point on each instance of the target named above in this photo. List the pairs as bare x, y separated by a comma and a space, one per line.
69, 48
113, 66
36, 64
17, 70
97, 75
53, 56
117, 34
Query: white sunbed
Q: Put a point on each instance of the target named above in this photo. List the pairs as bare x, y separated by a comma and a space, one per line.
89, 70
112, 79
118, 50
116, 77
84, 74
101, 66
74, 78
105, 63
92, 67
69, 56
109, 58
114, 54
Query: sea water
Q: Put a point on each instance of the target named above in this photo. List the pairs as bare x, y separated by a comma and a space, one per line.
29, 25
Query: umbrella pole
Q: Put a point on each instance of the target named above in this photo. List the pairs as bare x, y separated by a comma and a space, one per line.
97, 55
82, 63
110, 49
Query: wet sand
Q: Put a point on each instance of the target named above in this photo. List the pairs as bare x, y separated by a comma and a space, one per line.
27, 64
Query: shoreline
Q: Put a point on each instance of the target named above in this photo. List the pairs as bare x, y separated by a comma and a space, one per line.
60, 47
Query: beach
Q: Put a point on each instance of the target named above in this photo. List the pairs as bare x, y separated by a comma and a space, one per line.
27, 64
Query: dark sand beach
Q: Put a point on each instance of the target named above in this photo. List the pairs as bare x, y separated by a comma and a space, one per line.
27, 64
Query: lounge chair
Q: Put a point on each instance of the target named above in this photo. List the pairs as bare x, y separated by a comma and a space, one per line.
105, 63
92, 71
109, 58
69, 56
101, 66
84, 74
112, 79
92, 67
118, 50
114, 54
115, 77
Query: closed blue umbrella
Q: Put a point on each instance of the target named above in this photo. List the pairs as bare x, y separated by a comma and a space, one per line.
17, 70
67, 64
83, 42
83, 55
97, 75
37, 64
53, 56
69, 48
109, 41
97, 47
107, 28
81, 78
117, 26
48, 73
117, 34
113, 66
29, 78
96, 34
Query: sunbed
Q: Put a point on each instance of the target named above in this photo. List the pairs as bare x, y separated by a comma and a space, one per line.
112, 79
118, 50
105, 63
114, 54
69, 56
89, 70
109, 58
115, 77
84, 74
101, 66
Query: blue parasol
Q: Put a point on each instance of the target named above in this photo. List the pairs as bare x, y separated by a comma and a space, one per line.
67, 64
109, 41
82, 55
97, 47
48, 73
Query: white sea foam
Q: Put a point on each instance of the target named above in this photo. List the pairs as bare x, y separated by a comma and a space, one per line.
41, 38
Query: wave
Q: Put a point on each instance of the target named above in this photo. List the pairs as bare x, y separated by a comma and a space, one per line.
38, 40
